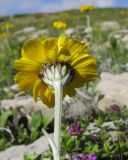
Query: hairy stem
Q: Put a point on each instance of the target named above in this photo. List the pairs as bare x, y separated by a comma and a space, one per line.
51, 143
58, 107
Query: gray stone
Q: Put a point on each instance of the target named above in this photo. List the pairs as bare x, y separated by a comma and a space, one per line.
14, 87
125, 66
109, 125
22, 38
109, 25
25, 30
121, 36
92, 128
110, 128
28, 104
17, 152
114, 90
125, 38
72, 107
39, 33
88, 30
117, 36
80, 27
70, 31
6, 89
126, 46
104, 47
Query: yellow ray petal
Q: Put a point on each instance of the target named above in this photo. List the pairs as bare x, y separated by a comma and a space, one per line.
69, 91
50, 48
63, 55
76, 47
62, 40
85, 62
26, 80
88, 74
34, 50
87, 68
47, 97
25, 64
36, 88
78, 59
77, 81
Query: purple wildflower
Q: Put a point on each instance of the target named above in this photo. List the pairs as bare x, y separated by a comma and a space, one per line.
75, 129
91, 156
114, 108
77, 158
82, 156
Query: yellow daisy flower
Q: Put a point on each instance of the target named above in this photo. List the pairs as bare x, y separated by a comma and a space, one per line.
41, 57
4, 35
60, 24
86, 8
7, 25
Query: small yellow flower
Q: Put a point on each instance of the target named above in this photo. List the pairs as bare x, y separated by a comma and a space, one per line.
7, 26
4, 35
60, 24
86, 8
41, 57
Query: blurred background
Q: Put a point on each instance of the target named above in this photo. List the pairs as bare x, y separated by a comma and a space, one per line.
100, 107
11, 7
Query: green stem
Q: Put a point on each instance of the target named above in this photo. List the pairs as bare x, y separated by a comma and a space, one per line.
88, 21
7, 41
58, 87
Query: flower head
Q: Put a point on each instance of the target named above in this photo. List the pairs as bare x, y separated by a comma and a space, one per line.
75, 129
77, 158
114, 108
91, 156
7, 26
4, 35
82, 156
46, 60
60, 24
86, 8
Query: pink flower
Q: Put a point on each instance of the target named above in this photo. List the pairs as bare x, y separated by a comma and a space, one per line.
75, 129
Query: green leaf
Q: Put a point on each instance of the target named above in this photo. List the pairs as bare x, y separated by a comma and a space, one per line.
47, 120
95, 148
98, 122
22, 133
70, 141
4, 117
30, 156
36, 120
4, 143
125, 153
34, 135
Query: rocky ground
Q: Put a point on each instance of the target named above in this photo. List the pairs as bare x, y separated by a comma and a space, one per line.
111, 89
